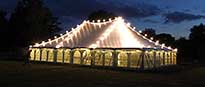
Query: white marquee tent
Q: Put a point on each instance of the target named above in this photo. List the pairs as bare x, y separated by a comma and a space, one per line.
105, 43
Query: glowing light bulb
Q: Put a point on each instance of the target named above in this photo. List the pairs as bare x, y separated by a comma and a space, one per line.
110, 20
98, 21
55, 37
140, 31
84, 21
49, 40
37, 45
43, 43
119, 17
162, 45
148, 46
57, 46
151, 38
93, 46
133, 28
78, 26
175, 49
30, 46
103, 20
157, 42
72, 29
116, 18
169, 48
128, 24
145, 35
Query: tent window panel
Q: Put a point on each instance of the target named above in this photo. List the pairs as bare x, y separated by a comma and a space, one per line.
99, 59
38, 55
122, 59
108, 59
158, 59
67, 56
152, 58
171, 58
165, 58
86, 58
60, 55
161, 58
32, 55
174, 58
168, 58
76, 57
135, 59
50, 55
44, 55
149, 60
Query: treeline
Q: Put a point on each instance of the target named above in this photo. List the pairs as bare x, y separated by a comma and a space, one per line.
30, 22
190, 50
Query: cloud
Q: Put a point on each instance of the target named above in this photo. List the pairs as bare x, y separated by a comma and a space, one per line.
203, 11
187, 10
140, 10
177, 17
150, 21
82, 8
133, 9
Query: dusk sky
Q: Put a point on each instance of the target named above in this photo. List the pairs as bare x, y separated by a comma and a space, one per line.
165, 16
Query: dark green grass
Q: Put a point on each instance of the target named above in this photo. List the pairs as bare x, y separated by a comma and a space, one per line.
14, 74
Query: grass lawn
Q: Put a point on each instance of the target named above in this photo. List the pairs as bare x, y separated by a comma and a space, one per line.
14, 74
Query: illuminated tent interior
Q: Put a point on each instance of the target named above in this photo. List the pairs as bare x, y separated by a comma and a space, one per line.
110, 42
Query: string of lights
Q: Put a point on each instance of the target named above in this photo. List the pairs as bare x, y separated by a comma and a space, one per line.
118, 21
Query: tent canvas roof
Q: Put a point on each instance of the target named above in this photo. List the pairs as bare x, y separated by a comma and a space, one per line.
107, 34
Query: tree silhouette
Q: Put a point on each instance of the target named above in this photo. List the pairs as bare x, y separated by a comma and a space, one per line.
101, 15
150, 32
31, 22
3, 29
197, 41
3, 21
185, 52
192, 50
197, 33
165, 38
